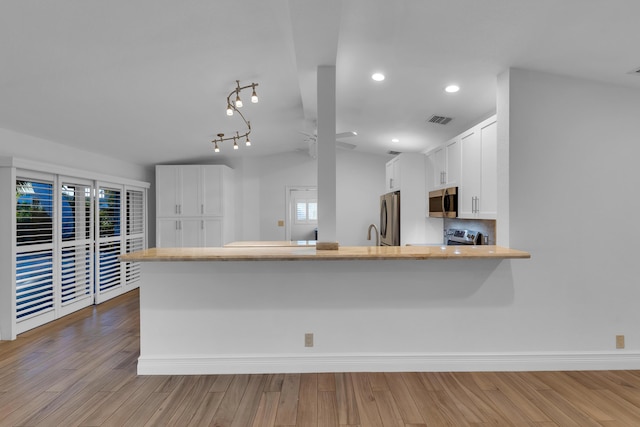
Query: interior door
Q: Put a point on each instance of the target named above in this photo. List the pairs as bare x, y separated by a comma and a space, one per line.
303, 213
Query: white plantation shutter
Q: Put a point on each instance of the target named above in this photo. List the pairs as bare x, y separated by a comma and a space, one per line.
69, 235
76, 248
135, 231
35, 293
109, 282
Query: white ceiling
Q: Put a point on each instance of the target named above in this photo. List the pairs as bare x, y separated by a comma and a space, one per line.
146, 80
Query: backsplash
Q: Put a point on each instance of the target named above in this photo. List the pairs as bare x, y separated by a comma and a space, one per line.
485, 226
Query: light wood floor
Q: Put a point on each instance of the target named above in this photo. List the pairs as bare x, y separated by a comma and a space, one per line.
81, 370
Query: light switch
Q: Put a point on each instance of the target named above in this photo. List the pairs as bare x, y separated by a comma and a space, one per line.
280, 223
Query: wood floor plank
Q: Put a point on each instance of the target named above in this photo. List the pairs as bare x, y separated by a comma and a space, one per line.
327, 409
406, 404
525, 398
580, 397
207, 410
367, 407
288, 404
191, 402
425, 401
267, 408
250, 401
232, 397
308, 401
274, 382
326, 382
172, 405
388, 409
346, 400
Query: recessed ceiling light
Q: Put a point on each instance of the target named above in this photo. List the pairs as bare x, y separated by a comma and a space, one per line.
452, 88
377, 77
395, 140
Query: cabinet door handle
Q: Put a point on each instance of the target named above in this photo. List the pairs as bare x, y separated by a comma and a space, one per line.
177, 209
202, 208
390, 182
202, 225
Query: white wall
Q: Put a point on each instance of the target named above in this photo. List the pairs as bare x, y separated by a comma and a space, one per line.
574, 199
360, 182
27, 147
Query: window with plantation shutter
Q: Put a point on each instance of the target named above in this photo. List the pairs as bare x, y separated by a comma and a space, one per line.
34, 252
69, 232
135, 231
109, 242
76, 248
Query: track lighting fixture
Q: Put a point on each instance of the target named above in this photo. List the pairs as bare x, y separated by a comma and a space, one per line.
232, 107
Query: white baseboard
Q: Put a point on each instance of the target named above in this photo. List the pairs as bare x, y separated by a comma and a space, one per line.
455, 362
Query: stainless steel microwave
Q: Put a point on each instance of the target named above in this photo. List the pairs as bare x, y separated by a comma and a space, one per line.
443, 203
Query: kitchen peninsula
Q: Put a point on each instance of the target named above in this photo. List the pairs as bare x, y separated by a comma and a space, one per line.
298, 309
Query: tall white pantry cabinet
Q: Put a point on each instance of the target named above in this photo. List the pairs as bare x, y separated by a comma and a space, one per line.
194, 205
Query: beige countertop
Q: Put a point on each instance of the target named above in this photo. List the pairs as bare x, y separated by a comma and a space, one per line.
270, 243
346, 253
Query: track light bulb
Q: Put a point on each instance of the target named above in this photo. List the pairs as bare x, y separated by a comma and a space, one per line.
235, 143
238, 101
216, 149
229, 110
254, 96
248, 142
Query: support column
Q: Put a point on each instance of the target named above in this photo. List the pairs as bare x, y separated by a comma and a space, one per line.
327, 154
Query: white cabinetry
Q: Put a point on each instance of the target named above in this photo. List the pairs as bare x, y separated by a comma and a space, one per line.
393, 175
405, 173
194, 205
478, 190
443, 166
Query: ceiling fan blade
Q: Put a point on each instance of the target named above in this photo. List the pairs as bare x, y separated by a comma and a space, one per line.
345, 134
345, 145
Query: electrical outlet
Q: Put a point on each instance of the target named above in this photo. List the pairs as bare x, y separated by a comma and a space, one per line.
308, 340
619, 341
280, 223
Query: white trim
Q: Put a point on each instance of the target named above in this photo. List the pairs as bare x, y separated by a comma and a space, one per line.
437, 362
39, 167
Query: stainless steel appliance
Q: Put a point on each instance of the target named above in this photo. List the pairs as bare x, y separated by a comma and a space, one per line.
444, 203
454, 236
390, 219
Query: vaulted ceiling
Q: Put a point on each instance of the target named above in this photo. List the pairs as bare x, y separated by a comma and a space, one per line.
147, 80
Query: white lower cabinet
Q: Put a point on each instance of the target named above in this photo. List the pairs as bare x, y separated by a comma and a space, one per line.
189, 232
478, 190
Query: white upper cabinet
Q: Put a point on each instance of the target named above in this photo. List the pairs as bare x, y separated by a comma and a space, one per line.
443, 166
393, 175
194, 205
478, 190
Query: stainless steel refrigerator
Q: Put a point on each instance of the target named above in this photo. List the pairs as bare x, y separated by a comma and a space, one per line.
390, 219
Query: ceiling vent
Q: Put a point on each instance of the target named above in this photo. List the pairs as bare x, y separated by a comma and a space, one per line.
393, 153
441, 120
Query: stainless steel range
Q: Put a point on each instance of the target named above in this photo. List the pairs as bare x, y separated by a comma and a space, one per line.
453, 236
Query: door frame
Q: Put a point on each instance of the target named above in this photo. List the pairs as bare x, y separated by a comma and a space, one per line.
287, 205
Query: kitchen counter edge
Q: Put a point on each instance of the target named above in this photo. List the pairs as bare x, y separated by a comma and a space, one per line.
345, 253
